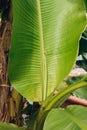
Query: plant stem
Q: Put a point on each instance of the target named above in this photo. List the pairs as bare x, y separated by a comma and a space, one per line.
57, 101
65, 94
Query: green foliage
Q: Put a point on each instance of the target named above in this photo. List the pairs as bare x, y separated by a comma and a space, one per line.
83, 51
44, 44
80, 92
83, 43
56, 101
63, 94
85, 4
68, 119
7, 126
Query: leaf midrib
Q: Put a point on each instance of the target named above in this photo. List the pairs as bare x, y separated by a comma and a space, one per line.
42, 52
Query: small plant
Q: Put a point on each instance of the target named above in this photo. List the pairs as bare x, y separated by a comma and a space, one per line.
44, 47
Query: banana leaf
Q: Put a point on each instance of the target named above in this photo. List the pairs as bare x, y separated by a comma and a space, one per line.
44, 44
71, 118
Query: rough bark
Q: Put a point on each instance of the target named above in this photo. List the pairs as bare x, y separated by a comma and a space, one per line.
5, 37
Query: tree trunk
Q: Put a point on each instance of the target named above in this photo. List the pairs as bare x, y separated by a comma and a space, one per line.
5, 36
10, 108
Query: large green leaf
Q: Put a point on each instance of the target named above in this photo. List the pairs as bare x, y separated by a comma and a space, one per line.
44, 44
72, 118
7, 126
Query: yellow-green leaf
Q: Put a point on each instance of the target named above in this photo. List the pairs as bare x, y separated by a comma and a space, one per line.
71, 118
44, 44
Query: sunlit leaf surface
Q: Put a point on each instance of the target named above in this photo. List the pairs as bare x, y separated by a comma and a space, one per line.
71, 118
44, 44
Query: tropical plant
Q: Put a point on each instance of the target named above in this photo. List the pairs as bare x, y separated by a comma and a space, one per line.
44, 48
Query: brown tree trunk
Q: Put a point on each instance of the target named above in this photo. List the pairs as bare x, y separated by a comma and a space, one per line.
5, 37
10, 108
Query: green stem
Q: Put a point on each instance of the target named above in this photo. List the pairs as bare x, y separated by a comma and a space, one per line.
64, 94
56, 101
